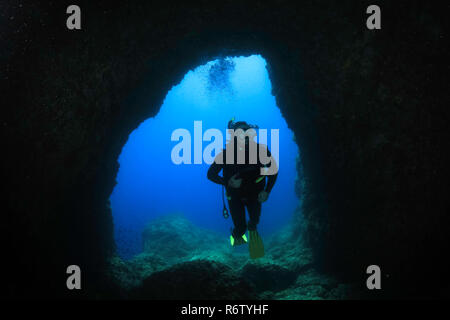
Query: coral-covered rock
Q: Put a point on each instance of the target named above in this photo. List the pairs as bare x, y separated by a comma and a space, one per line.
199, 279
179, 264
174, 237
268, 276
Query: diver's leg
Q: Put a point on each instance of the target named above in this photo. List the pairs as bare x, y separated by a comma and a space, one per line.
255, 243
237, 210
254, 212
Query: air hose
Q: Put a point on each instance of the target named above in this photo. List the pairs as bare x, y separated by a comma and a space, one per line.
225, 210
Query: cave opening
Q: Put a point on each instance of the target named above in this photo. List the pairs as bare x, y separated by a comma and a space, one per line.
157, 202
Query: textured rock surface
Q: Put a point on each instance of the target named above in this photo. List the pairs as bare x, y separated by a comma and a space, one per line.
369, 111
188, 262
198, 279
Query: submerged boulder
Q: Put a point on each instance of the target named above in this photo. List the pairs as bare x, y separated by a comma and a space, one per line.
198, 279
183, 261
268, 276
312, 285
174, 237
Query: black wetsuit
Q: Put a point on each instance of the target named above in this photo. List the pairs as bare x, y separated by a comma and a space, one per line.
247, 194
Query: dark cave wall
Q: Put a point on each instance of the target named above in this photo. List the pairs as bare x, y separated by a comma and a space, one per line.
367, 109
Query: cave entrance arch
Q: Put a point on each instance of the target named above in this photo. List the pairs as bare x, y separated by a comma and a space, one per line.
149, 185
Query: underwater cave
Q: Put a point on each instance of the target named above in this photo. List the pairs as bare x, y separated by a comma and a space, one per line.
368, 119
149, 184
167, 215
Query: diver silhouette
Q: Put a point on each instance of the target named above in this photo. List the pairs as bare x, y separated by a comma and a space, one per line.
245, 185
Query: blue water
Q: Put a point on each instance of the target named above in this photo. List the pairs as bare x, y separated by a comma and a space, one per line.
149, 184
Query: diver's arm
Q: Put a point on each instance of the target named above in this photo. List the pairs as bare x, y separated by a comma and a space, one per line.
273, 169
213, 173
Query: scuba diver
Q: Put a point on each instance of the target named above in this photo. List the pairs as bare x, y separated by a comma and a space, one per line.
244, 179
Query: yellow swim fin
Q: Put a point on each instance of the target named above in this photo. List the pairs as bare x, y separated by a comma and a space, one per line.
255, 245
237, 242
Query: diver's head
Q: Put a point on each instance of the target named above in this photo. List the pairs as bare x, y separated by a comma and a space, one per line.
243, 132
